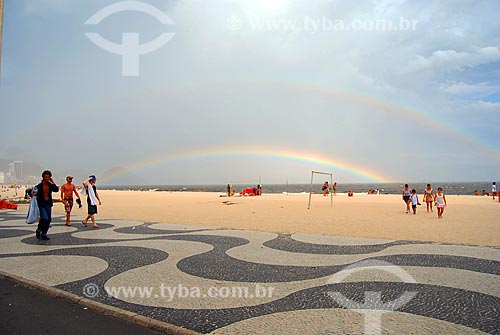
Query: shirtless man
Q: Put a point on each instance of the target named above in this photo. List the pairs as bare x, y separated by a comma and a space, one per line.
67, 191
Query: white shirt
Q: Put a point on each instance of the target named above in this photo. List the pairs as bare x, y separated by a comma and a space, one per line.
414, 199
440, 199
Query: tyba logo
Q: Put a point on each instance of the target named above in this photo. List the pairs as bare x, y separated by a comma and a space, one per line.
373, 307
130, 49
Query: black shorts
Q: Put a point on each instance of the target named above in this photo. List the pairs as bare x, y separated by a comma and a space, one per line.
406, 198
413, 206
92, 209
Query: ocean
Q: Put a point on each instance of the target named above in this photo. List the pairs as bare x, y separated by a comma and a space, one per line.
465, 188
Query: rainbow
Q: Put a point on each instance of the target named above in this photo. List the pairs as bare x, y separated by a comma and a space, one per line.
413, 114
287, 154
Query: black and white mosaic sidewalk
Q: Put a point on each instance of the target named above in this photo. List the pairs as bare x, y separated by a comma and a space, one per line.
248, 282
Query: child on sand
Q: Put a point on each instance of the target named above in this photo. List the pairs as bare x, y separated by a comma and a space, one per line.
440, 202
429, 197
414, 201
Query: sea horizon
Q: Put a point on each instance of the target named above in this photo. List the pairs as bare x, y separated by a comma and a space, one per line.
457, 188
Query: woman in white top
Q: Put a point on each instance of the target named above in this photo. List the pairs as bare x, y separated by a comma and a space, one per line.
440, 202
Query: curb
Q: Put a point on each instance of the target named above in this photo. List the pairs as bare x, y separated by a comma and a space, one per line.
99, 307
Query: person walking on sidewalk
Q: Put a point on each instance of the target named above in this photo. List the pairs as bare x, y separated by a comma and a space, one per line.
67, 191
92, 200
43, 193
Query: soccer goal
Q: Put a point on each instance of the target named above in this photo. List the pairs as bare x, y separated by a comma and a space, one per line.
311, 188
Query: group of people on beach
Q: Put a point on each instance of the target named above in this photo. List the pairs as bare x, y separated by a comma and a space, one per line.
493, 191
250, 191
410, 197
43, 194
326, 188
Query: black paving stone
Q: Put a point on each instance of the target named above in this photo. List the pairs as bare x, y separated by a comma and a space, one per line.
145, 229
12, 232
216, 264
285, 242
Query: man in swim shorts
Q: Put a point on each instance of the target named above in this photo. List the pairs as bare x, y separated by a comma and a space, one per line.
67, 191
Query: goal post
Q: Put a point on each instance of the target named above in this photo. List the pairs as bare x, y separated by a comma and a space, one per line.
311, 187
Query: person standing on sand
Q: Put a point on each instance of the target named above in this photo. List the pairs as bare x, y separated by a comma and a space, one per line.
494, 189
406, 197
429, 197
43, 194
440, 202
92, 199
334, 188
67, 191
414, 201
228, 189
325, 188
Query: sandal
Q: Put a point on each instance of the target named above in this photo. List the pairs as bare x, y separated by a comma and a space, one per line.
95, 227
67, 225
85, 224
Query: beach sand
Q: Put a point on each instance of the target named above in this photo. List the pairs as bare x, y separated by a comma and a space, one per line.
467, 219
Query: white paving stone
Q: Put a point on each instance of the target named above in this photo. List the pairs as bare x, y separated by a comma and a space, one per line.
53, 270
338, 240
340, 322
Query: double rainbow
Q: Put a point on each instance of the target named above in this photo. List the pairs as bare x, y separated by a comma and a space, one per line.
410, 113
316, 159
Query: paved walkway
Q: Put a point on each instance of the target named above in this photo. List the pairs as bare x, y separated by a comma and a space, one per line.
245, 282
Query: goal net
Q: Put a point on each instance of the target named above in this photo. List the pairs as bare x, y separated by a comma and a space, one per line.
329, 186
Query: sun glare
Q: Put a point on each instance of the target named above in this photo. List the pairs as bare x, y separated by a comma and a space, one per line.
271, 6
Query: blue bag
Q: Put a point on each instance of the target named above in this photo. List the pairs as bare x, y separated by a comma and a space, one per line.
33, 212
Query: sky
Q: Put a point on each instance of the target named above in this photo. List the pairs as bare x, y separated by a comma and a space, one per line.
370, 91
